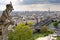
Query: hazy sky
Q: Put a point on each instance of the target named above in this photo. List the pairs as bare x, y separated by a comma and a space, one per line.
32, 5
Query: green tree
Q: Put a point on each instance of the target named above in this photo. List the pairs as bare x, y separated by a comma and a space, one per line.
30, 23
58, 38
55, 24
10, 36
21, 32
44, 29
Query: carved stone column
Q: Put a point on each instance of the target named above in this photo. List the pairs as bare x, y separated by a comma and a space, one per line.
3, 32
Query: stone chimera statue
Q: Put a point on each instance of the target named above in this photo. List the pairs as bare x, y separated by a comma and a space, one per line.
3, 23
6, 12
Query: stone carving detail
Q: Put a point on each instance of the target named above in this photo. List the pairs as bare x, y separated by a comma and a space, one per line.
4, 23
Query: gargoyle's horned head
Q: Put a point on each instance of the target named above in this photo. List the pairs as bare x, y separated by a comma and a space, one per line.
9, 6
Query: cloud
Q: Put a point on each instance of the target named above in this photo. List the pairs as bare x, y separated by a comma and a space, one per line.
32, 5
37, 7
54, 1
27, 2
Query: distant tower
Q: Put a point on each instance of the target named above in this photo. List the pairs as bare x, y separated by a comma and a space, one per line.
49, 10
49, 13
55, 14
36, 18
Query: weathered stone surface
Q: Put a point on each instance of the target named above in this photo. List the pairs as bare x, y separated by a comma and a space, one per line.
5, 24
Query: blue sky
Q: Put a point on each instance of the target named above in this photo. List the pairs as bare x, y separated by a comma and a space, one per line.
31, 4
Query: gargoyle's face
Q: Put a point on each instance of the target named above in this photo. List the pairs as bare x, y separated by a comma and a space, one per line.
11, 7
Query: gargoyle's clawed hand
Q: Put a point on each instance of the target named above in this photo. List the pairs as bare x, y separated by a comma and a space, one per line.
12, 22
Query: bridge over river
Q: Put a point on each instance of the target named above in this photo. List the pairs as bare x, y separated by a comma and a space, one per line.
42, 23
